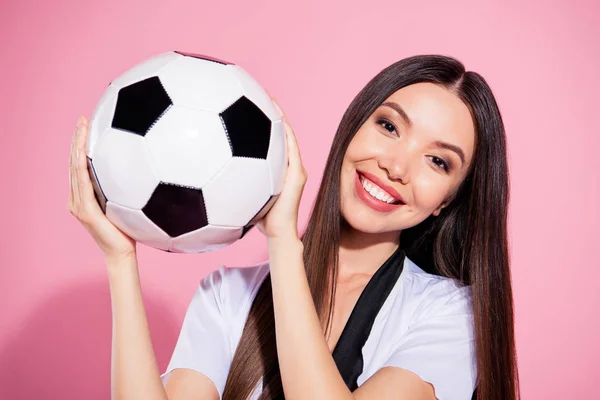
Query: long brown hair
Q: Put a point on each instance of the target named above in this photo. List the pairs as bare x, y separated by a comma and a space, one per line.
467, 242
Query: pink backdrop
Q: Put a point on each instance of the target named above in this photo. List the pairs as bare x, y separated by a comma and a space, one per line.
541, 60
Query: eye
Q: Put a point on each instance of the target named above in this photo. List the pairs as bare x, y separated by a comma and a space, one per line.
387, 125
441, 163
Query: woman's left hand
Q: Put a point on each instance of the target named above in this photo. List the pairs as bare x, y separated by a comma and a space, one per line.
282, 219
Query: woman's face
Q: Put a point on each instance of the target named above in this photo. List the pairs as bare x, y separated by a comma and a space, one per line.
407, 160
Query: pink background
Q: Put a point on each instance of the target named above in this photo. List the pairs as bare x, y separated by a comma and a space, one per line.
541, 59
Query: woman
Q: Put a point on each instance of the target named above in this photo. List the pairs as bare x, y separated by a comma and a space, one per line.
417, 167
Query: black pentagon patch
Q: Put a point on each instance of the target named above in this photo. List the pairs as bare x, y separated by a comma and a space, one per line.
203, 57
176, 209
260, 215
140, 105
248, 129
98, 193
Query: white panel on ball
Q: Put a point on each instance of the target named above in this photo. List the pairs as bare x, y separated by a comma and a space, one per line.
123, 166
188, 146
239, 191
201, 84
205, 239
135, 224
102, 119
277, 157
145, 69
256, 93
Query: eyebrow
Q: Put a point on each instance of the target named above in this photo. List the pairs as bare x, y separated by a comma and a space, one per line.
396, 107
453, 148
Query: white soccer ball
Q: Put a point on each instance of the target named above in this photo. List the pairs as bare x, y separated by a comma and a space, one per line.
186, 153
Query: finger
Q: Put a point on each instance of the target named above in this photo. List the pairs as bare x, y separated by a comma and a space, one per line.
86, 190
284, 120
293, 148
73, 167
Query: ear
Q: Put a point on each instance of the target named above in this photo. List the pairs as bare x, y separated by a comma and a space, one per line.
439, 209
443, 205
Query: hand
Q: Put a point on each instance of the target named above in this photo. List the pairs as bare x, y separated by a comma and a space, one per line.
84, 206
282, 218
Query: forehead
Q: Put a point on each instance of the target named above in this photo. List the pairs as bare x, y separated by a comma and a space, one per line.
437, 114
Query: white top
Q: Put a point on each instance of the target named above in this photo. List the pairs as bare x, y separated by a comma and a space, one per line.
425, 325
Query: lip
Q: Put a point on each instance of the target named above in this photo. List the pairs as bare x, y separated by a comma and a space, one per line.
393, 192
369, 200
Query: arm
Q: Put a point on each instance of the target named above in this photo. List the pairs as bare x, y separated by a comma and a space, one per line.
307, 368
134, 372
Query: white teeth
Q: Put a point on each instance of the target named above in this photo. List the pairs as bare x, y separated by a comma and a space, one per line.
387, 198
376, 191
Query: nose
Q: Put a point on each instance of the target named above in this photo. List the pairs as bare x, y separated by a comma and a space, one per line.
396, 163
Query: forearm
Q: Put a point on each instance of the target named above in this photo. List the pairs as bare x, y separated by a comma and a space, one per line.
134, 371
307, 368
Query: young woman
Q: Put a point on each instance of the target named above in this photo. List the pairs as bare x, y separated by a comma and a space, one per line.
398, 289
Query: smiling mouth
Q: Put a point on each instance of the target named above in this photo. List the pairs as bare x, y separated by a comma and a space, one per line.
376, 192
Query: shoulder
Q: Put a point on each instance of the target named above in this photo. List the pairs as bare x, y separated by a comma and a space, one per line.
242, 278
432, 319
214, 321
434, 295
235, 287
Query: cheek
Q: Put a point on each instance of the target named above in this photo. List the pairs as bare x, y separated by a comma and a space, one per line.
355, 149
429, 191
356, 153
366, 144
347, 177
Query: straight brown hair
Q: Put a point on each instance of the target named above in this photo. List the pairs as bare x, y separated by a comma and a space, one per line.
466, 242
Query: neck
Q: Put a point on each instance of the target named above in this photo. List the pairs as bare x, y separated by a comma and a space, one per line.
363, 253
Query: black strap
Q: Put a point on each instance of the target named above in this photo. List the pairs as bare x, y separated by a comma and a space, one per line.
348, 350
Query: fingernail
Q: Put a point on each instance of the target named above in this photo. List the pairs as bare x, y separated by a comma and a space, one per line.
79, 121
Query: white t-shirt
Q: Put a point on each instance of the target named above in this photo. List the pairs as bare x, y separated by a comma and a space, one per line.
425, 325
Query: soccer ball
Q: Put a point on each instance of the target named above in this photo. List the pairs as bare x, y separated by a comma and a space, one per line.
186, 152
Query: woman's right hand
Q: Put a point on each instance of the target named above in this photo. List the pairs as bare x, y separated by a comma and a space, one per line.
83, 204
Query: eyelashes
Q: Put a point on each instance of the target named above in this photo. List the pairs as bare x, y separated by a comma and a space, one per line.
441, 163
391, 129
387, 125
